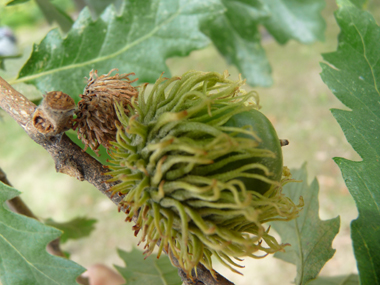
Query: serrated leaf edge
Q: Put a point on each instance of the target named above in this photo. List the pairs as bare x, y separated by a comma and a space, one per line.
98, 59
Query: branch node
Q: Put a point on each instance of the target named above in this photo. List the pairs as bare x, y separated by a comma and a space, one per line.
55, 114
71, 168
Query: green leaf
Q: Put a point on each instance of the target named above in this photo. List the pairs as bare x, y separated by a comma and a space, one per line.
353, 75
235, 34
360, 3
75, 229
161, 271
351, 279
98, 6
296, 19
16, 2
139, 40
23, 255
53, 13
310, 237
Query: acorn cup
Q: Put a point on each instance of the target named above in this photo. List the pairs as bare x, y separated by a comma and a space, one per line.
96, 116
201, 170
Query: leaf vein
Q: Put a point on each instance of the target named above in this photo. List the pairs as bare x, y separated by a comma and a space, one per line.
160, 273
24, 258
369, 255
103, 58
365, 56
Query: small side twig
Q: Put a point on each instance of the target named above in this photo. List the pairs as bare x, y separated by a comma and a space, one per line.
70, 159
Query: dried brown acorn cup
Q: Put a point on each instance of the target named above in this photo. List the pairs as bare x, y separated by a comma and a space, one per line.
96, 116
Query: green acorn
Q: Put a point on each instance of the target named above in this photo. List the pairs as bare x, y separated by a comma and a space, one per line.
201, 170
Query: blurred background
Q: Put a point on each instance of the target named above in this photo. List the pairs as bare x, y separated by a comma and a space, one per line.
298, 105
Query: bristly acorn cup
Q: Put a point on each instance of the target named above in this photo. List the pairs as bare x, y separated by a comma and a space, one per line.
95, 116
201, 170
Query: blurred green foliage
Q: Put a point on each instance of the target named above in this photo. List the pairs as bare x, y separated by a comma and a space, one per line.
28, 13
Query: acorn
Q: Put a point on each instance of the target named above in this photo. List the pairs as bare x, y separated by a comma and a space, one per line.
201, 171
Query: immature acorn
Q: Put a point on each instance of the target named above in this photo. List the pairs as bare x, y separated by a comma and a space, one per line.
96, 116
55, 113
201, 170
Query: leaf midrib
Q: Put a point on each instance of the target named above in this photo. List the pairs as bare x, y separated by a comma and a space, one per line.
160, 273
102, 58
24, 258
364, 103
364, 240
365, 55
306, 212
